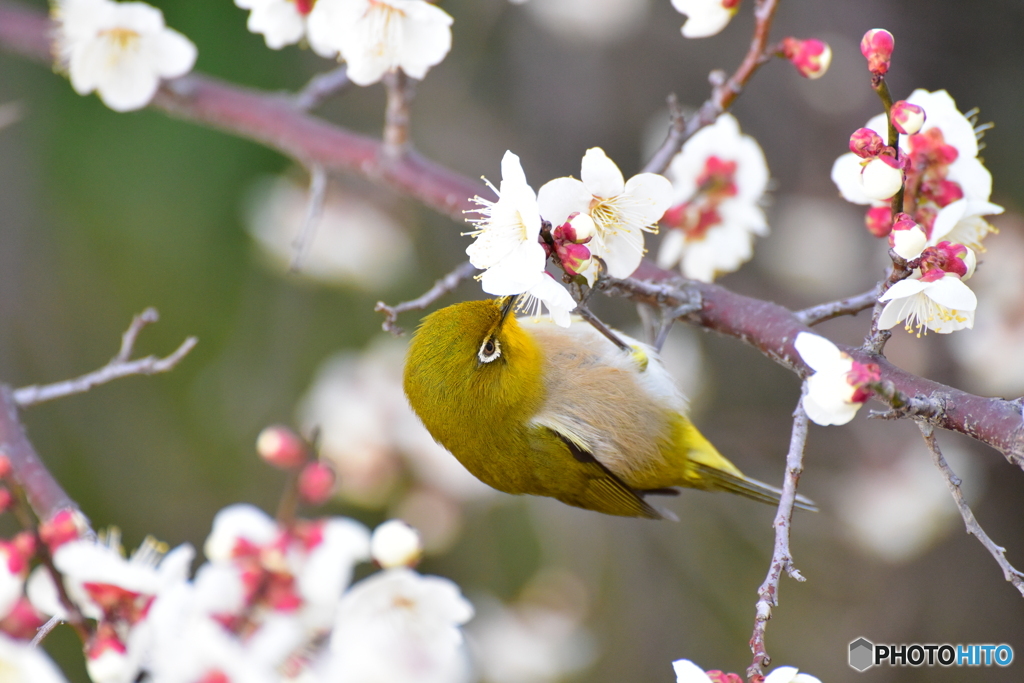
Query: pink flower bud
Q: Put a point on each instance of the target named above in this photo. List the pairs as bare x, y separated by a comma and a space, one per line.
866, 143
810, 57
316, 483
281, 447
878, 221
66, 525
717, 676
907, 238
5, 466
861, 375
881, 177
22, 621
106, 657
947, 257
907, 118
876, 46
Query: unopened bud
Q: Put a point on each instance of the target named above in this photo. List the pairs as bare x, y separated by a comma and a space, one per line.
810, 57
866, 143
881, 177
583, 228
316, 483
281, 447
907, 238
907, 118
22, 620
66, 525
876, 46
878, 221
5, 466
396, 544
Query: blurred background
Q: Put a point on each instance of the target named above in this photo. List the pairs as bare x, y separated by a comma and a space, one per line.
104, 214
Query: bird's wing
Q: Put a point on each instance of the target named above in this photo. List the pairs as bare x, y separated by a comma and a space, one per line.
600, 489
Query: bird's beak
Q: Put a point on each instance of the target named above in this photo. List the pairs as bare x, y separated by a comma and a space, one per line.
507, 305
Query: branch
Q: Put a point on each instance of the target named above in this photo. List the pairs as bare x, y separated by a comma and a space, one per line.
833, 309
314, 209
724, 92
321, 87
45, 495
118, 367
272, 120
772, 329
953, 482
443, 286
782, 558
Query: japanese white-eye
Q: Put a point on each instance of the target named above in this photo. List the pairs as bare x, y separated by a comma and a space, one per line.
530, 407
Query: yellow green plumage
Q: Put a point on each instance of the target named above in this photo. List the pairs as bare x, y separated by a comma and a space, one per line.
529, 407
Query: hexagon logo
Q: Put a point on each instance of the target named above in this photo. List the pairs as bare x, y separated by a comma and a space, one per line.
862, 654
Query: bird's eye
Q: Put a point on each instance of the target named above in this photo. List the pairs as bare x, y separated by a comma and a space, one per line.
489, 350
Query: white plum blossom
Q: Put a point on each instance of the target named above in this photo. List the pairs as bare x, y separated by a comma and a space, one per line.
286, 22
506, 245
834, 390
688, 672
705, 17
943, 171
119, 49
934, 297
397, 625
718, 180
944, 305
375, 37
21, 662
621, 210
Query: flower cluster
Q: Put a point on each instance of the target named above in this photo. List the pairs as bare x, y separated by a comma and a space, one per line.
373, 37
600, 217
838, 386
946, 187
934, 297
718, 180
119, 49
273, 601
688, 672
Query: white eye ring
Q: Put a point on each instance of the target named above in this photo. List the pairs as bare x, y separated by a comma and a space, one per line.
489, 350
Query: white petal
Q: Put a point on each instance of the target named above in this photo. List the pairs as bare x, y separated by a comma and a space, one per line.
128, 85
817, 352
704, 17
903, 289
557, 299
559, 198
652, 196
175, 54
512, 169
893, 313
952, 293
688, 672
846, 175
279, 22
671, 249
624, 249
426, 39
880, 181
600, 174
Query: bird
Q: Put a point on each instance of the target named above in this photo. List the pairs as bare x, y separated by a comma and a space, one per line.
529, 407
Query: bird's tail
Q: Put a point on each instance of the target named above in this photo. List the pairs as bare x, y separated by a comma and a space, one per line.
720, 480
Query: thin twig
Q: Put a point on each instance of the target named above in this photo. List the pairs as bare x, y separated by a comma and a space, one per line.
724, 91
782, 558
400, 89
314, 209
1010, 573
443, 286
321, 87
833, 309
119, 366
